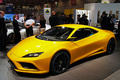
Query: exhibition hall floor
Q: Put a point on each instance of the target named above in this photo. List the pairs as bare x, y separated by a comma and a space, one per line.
100, 67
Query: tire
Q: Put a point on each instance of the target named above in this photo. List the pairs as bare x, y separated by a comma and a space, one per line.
60, 62
111, 46
11, 38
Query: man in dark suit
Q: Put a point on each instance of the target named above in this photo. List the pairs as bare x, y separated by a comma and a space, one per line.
104, 21
16, 29
54, 19
85, 21
3, 32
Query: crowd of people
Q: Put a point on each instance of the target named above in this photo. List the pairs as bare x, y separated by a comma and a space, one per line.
107, 22
60, 19
82, 20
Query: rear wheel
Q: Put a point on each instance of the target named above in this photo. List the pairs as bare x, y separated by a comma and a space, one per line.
11, 38
60, 62
111, 46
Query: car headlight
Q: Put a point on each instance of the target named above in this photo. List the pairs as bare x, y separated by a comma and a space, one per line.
33, 54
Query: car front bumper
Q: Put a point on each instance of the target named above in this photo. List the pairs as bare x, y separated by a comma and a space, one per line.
29, 65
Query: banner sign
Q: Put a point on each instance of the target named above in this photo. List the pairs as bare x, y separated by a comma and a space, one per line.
0, 1
47, 14
73, 2
9, 8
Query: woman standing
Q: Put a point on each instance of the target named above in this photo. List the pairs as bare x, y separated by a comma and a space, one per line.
16, 29
42, 23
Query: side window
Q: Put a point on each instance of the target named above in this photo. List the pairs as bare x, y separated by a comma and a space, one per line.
83, 33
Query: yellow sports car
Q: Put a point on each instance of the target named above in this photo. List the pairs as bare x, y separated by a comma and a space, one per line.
55, 49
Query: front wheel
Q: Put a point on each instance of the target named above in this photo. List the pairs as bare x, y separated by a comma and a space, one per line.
60, 62
111, 46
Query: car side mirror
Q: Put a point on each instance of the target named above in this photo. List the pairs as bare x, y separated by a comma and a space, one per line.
71, 38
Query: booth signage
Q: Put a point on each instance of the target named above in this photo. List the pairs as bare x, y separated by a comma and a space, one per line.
73, 2
47, 11
9, 8
47, 14
0, 1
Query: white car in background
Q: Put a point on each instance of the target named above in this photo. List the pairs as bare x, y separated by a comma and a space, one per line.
11, 35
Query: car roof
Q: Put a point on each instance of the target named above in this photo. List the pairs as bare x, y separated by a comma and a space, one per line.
77, 26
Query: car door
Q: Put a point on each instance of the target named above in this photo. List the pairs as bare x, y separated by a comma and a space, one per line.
85, 43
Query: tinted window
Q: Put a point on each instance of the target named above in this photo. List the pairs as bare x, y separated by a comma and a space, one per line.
83, 33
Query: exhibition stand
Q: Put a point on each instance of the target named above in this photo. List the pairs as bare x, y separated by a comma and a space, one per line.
98, 8
81, 12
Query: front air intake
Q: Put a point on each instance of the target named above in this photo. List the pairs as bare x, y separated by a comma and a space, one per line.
28, 65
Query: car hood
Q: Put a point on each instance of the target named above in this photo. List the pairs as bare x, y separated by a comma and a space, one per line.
33, 45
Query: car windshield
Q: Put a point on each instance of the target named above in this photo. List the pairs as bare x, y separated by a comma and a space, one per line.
56, 34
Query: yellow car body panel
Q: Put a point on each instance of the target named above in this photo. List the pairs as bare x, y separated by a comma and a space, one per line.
77, 49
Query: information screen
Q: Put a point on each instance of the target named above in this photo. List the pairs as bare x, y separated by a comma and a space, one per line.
9, 17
